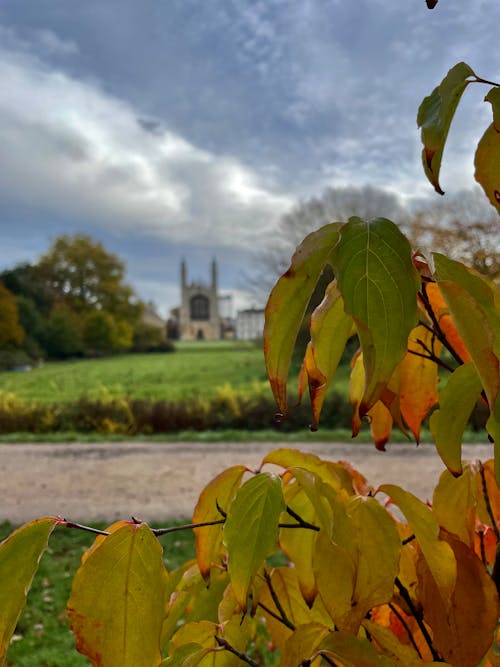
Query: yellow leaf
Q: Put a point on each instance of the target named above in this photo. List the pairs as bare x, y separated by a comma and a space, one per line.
117, 603
441, 312
302, 643
454, 503
487, 163
418, 379
219, 492
380, 424
438, 554
20, 554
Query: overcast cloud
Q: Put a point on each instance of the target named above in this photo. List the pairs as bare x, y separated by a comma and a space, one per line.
187, 128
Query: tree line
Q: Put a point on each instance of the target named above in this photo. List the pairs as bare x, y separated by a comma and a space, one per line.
73, 302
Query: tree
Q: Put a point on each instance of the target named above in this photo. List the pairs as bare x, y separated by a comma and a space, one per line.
102, 334
359, 586
11, 332
79, 272
464, 228
62, 337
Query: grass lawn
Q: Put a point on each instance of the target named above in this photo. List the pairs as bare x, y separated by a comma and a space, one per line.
193, 369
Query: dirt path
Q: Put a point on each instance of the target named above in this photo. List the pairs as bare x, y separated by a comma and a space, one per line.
85, 482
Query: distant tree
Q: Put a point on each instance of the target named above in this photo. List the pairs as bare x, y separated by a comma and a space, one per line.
11, 332
464, 227
34, 323
335, 203
63, 334
24, 280
86, 277
103, 334
147, 337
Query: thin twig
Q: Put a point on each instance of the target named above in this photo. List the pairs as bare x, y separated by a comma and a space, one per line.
408, 539
406, 597
276, 600
436, 326
302, 523
432, 357
405, 625
242, 656
88, 529
487, 501
187, 526
480, 534
477, 79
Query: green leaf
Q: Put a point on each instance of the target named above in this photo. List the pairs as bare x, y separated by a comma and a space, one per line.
379, 284
331, 328
287, 305
20, 554
487, 164
435, 115
251, 530
494, 98
218, 493
438, 554
118, 600
447, 424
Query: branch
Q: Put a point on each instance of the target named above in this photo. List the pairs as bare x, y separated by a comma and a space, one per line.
436, 327
242, 656
432, 357
301, 523
187, 526
418, 617
284, 618
487, 501
477, 79
403, 622
88, 529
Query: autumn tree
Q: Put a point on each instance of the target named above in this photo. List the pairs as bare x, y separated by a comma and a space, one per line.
79, 272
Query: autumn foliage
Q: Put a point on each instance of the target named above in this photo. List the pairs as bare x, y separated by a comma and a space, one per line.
302, 557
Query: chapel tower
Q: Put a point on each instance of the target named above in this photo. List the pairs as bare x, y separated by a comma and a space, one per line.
199, 317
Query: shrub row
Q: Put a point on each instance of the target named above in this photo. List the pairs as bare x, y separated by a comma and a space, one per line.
227, 409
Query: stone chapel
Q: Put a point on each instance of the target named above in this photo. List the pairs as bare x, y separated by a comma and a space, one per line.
199, 317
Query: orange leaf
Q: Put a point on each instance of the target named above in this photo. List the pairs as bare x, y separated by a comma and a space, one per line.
443, 317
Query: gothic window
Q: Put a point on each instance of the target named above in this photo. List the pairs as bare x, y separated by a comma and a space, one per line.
200, 307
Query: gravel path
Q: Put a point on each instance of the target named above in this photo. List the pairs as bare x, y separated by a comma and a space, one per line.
85, 482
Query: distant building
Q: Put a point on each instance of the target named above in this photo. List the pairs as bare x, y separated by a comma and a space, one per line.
250, 324
199, 317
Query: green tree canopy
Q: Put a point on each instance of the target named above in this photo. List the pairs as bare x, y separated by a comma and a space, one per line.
11, 332
81, 273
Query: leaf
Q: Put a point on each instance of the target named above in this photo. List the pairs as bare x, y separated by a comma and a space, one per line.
353, 651
462, 629
435, 115
454, 503
418, 379
251, 530
493, 97
328, 471
456, 402
118, 600
487, 164
302, 643
219, 492
299, 545
363, 552
380, 424
438, 554
20, 555
284, 581
379, 284
330, 330
442, 314
287, 305
392, 647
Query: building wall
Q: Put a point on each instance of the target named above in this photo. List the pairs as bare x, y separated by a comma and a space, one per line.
250, 324
193, 323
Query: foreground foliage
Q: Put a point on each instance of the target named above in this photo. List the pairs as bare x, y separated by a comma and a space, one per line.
367, 577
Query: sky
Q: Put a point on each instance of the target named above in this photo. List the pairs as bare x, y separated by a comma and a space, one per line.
188, 128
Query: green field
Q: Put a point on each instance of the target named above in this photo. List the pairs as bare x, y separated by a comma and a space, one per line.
194, 369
